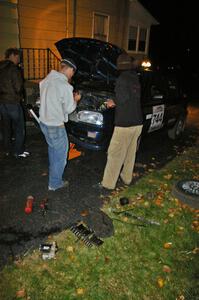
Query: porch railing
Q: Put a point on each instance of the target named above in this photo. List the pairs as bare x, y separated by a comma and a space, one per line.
37, 62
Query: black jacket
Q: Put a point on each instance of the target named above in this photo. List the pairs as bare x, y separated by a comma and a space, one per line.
128, 107
11, 83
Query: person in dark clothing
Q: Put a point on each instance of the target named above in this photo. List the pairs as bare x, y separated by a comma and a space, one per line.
11, 94
128, 124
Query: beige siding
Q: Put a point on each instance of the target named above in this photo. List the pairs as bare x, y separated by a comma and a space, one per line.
9, 33
42, 23
84, 21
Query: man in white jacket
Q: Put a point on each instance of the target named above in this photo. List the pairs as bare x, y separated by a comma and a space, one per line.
57, 101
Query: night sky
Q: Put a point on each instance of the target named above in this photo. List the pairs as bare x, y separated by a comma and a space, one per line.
175, 40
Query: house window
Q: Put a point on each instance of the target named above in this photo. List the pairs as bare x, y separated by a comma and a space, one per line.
142, 40
137, 41
100, 26
133, 32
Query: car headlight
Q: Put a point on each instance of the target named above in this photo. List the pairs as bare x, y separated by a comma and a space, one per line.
87, 116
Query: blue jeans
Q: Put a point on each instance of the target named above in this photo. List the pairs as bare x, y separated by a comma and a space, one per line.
13, 125
57, 141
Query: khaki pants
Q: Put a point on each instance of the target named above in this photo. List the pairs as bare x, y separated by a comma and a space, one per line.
121, 152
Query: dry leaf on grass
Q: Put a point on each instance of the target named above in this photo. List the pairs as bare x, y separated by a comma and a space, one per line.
195, 250
158, 202
80, 291
70, 249
21, 293
195, 225
168, 176
107, 259
160, 282
168, 245
181, 297
166, 269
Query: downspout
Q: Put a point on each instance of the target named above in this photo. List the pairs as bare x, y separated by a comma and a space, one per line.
18, 23
74, 17
67, 18
126, 13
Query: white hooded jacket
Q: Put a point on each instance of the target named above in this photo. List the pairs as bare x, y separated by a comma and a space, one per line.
56, 96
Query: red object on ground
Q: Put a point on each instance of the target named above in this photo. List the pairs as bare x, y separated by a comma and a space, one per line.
29, 204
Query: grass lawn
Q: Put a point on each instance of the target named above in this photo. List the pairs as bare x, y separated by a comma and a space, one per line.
150, 262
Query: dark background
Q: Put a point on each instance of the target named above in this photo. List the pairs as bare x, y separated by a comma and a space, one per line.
174, 42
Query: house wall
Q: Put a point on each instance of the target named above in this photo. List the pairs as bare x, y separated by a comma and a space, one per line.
139, 17
115, 9
42, 23
9, 32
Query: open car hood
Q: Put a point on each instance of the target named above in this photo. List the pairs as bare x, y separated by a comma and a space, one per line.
95, 59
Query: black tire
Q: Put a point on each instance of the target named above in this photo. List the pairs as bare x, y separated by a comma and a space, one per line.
177, 129
187, 191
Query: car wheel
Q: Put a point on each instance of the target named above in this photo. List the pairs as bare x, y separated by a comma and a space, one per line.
187, 191
177, 129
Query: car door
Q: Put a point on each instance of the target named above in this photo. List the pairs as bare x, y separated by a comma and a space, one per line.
153, 101
174, 100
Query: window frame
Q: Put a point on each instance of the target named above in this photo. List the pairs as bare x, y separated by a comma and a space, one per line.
108, 24
139, 27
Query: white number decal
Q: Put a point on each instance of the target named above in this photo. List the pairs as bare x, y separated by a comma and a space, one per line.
157, 118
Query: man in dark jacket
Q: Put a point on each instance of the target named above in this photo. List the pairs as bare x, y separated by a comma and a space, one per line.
128, 124
11, 88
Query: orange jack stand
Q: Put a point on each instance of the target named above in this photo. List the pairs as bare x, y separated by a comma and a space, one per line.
73, 153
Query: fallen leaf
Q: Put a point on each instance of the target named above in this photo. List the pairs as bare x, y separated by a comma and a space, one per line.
195, 250
166, 269
21, 293
80, 291
107, 259
171, 215
181, 297
158, 202
195, 223
168, 176
70, 249
151, 180
167, 245
160, 282
146, 204
44, 174
72, 258
180, 228
84, 213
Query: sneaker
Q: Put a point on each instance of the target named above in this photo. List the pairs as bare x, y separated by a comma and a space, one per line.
26, 153
22, 155
101, 188
65, 184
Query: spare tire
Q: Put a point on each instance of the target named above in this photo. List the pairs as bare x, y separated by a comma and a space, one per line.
187, 191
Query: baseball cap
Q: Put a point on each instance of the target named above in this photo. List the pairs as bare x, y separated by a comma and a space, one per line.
69, 62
